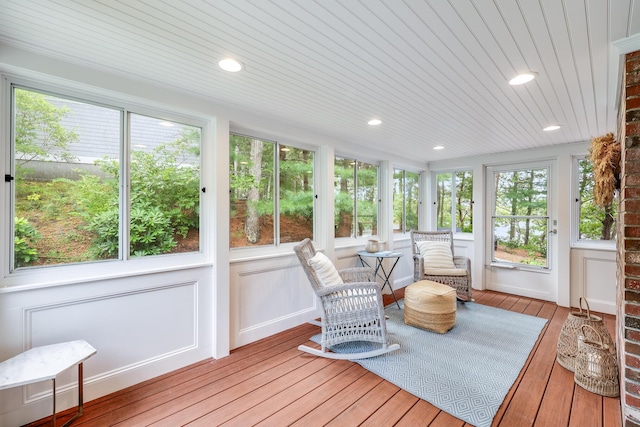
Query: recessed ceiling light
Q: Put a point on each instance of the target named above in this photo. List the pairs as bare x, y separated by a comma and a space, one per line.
231, 65
374, 122
285, 149
166, 124
438, 147
550, 128
523, 78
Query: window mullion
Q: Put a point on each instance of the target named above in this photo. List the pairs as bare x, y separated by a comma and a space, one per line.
453, 201
354, 224
404, 202
9, 102
125, 185
276, 195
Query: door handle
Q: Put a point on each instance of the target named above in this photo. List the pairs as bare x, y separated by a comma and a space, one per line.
554, 231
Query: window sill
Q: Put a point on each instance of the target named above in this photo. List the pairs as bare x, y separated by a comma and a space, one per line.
65, 275
509, 266
595, 245
253, 253
348, 242
463, 236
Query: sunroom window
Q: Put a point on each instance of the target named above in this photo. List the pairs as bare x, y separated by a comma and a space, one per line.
454, 201
593, 223
356, 198
69, 159
406, 187
260, 170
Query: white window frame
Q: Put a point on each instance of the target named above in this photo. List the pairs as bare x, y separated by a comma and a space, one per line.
62, 274
491, 210
241, 251
576, 242
404, 200
356, 238
434, 210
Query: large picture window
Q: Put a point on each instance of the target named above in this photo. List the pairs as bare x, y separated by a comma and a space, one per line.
593, 223
454, 201
356, 198
68, 163
260, 170
406, 187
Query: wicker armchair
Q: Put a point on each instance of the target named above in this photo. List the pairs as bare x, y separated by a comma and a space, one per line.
459, 280
352, 311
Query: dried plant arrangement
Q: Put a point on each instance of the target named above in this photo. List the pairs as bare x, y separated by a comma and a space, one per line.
605, 156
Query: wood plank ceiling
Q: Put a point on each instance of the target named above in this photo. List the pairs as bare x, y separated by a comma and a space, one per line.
435, 72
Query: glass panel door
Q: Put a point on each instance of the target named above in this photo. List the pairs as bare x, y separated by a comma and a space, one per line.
520, 220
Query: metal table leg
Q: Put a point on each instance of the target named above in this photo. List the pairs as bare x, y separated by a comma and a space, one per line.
80, 400
386, 277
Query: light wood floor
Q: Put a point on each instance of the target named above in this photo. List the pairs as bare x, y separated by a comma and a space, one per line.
271, 383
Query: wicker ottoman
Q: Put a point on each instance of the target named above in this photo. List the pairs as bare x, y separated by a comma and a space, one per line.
430, 305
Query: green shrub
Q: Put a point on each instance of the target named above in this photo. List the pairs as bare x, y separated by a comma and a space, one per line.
24, 242
164, 192
151, 232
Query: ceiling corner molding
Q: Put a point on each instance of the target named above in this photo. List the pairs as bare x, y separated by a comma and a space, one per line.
618, 49
627, 44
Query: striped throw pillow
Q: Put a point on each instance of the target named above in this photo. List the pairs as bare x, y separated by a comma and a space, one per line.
436, 254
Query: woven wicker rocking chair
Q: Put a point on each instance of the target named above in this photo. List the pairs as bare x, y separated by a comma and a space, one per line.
351, 311
458, 277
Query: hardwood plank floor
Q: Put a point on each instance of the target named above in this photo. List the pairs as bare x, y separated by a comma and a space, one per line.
272, 383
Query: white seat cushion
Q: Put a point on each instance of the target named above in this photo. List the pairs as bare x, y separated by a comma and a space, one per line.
326, 271
436, 254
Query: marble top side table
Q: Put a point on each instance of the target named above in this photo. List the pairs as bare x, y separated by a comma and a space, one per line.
45, 363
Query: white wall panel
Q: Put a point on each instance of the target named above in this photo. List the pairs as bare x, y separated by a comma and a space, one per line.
593, 276
268, 296
511, 281
166, 325
403, 273
141, 327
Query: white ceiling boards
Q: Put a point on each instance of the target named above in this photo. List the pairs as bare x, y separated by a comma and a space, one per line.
434, 72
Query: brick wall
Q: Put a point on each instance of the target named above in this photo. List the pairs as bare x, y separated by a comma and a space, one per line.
628, 288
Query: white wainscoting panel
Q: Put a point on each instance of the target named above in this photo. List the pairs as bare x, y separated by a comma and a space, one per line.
403, 273
141, 326
128, 329
267, 297
593, 276
511, 281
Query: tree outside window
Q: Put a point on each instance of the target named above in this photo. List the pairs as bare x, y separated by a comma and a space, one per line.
405, 201
520, 217
594, 222
68, 204
454, 201
356, 198
256, 166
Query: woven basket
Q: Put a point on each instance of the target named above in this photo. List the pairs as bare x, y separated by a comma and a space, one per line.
568, 338
596, 369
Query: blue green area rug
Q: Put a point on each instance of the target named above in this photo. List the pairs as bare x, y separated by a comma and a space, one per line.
466, 372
